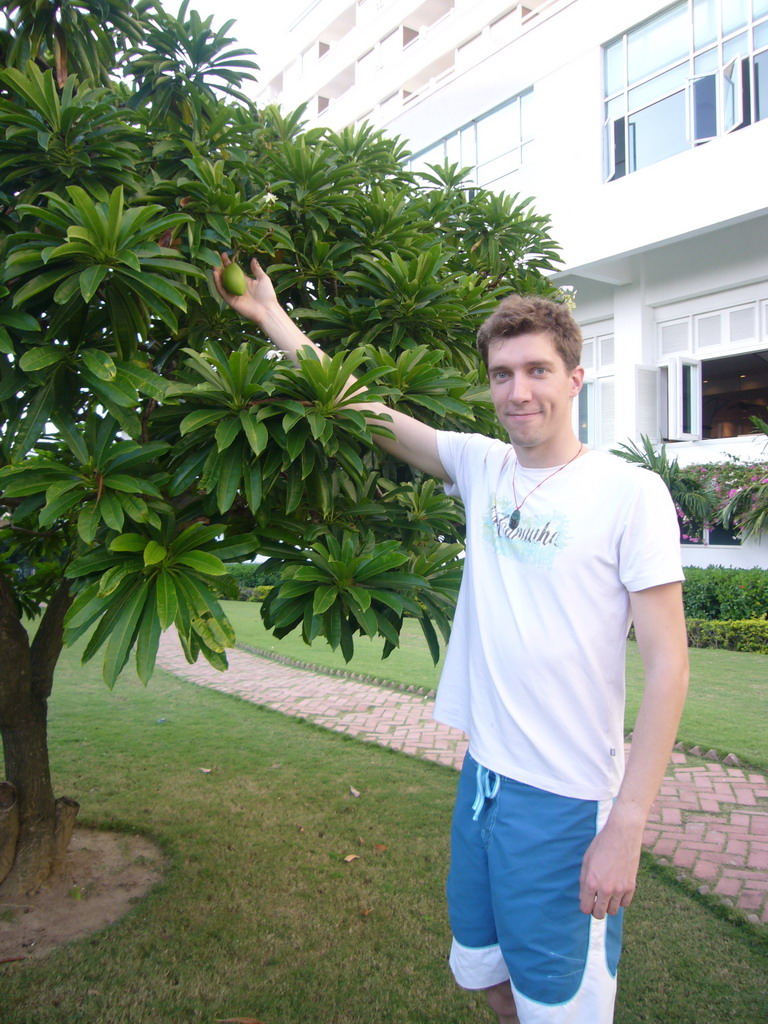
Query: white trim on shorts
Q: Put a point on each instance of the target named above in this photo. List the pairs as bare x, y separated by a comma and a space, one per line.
477, 968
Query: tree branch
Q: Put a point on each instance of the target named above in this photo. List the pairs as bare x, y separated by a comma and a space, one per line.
48, 641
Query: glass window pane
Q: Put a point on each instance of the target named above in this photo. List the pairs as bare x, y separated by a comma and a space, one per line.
433, 155
615, 108
646, 93
705, 108
719, 535
526, 115
498, 132
657, 132
585, 412
495, 169
453, 149
614, 67
468, 146
761, 86
732, 96
759, 8
615, 165
706, 62
689, 381
660, 42
507, 183
704, 23
761, 35
735, 15
736, 47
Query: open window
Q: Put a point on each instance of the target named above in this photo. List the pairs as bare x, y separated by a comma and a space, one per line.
736, 99
734, 389
713, 114
683, 399
715, 398
615, 148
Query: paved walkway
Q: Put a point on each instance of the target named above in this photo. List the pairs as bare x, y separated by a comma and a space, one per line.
710, 820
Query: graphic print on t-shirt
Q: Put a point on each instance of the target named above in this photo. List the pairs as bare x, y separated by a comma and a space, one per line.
536, 539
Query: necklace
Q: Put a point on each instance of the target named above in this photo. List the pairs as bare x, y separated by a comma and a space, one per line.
514, 519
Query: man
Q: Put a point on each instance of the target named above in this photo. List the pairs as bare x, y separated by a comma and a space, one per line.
564, 546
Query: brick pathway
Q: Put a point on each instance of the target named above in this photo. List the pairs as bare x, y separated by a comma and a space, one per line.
710, 820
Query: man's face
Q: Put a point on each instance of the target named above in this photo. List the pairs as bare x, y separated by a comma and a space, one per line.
532, 392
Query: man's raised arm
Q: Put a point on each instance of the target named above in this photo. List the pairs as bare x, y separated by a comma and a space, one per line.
414, 442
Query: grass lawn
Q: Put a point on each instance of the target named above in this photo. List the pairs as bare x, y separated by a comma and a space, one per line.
410, 663
260, 916
727, 706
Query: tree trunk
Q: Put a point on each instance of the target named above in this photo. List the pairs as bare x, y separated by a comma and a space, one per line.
9, 828
42, 824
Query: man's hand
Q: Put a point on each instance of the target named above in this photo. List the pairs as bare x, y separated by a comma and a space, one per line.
259, 298
609, 870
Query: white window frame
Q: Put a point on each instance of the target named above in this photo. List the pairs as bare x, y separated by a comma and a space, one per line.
683, 401
733, 78
597, 433
587, 395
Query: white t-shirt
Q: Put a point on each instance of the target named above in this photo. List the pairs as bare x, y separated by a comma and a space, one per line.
534, 672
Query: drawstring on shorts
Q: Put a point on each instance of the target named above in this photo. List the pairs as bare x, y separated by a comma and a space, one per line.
486, 790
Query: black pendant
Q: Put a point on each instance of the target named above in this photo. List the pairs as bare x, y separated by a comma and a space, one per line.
514, 519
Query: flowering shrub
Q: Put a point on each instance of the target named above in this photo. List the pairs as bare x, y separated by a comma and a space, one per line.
731, 494
740, 493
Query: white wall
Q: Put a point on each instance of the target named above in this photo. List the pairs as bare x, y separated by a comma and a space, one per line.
561, 56
753, 555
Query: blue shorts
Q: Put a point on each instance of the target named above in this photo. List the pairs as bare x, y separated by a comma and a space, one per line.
513, 900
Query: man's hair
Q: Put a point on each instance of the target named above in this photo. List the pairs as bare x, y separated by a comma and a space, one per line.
531, 314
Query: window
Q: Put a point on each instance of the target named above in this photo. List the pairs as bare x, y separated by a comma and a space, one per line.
595, 410
586, 412
715, 398
696, 71
733, 389
718, 536
494, 146
683, 377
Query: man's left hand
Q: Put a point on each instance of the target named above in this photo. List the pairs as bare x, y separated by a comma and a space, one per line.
609, 871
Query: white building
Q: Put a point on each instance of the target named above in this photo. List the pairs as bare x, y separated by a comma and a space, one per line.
641, 127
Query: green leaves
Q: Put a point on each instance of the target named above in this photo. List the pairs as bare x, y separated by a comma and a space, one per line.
57, 138
348, 584
97, 479
101, 248
140, 586
149, 436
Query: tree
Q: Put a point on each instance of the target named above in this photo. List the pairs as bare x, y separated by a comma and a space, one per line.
732, 494
149, 436
694, 500
83, 37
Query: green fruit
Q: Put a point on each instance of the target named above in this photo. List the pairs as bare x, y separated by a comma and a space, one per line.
233, 279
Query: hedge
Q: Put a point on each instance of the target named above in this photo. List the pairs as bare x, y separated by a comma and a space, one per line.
725, 594
255, 574
735, 635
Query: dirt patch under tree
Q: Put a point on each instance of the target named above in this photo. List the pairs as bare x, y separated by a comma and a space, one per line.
105, 873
